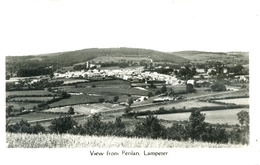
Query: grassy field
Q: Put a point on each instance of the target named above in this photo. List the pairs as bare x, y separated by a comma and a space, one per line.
18, 105
87, 108
32, 98
70, 81
31, 92
118, 59
86, 99
32, 116
178, 105
118, 68
218, 116
239, 101
76, 141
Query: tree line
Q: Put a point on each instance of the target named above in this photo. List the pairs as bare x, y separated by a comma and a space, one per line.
195, 129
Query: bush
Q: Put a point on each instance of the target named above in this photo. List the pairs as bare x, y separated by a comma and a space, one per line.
93, 125
177, 132
71, 111
20, 127
101, 100
62, 124
150, 128
196, 126
218, 87
38, 128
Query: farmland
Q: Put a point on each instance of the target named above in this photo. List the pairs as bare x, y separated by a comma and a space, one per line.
112, 91
18, 105
31, 98
86, 108
118, 58
214, 117
33, 116
239, 101
29, 92
180, 105
76, 141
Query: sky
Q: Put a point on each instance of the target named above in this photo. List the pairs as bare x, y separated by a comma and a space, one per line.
47, 26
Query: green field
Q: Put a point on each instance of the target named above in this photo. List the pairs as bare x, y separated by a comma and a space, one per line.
238, 101
77, 141
118, 59
18, 105
178, 105
30, 92
118, 68
32, 117
71, 81
87, 108
86, 99
31, 98
218, 116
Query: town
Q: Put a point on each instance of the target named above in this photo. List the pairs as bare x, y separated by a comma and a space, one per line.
110, 85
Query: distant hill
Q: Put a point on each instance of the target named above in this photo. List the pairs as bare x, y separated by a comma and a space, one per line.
71, 57
200, 56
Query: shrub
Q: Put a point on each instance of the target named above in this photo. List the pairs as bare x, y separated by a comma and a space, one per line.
196, 125
150, 128
20, 127
101, 100
71, 110
38, 128
62, 124
177, 132
93, 125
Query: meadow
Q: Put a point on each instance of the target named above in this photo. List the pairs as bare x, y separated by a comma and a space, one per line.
214, 117
121, 58
18, 105
238, 101
86, 109
29, 92
178, 105
77, 141
32, 117
31, 99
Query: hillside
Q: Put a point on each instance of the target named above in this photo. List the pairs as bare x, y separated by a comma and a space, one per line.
65, 59
200, 56
77, 141
89, 54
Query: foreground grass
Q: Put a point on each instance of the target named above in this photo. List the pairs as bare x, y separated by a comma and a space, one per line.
77, 141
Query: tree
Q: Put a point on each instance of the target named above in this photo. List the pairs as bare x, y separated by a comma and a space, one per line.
163, 89
150, 94
115, 99
213, 73
93, 125
20, 127
243, 118
128, 109
7, 77
150, 127
177, 132
218, 87
62, 124
101, 100
170, 92
189, 88
206, 70
38, 128
130, 101
196, 125
71, 110
9, 109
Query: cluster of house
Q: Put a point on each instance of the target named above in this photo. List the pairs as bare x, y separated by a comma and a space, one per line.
125, 74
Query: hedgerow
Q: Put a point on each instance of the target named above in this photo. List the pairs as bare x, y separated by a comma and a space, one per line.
195, 129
